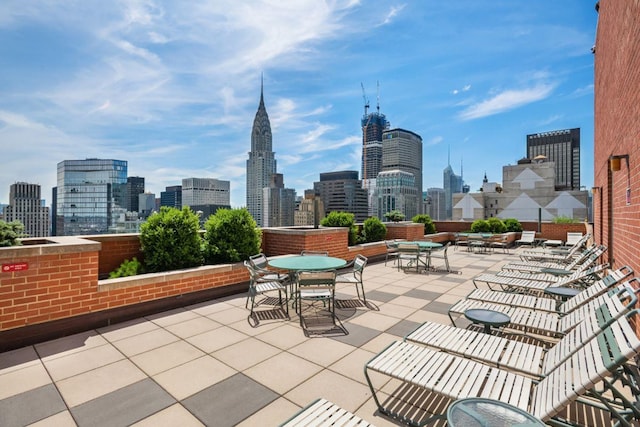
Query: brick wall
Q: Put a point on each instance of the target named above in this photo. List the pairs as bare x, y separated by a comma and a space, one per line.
617, 130
405, 230
115, 249
60, 280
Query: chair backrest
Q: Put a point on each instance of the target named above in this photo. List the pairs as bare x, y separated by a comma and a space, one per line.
359, 262
259, 261
527, 236
317, 253
573, 238
614, 346
587, 258
253, 273
316, 279
408, 248
599, 287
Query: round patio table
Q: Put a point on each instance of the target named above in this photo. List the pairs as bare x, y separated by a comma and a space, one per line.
307, 262
563, 293
476, 411
486, 317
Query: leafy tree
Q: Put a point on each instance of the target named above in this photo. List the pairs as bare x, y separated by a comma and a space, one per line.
373, 230
496, 225
231, 235
429, 226
10, 232
395, 216
480, 226
512, 224
342, 219
127, 268
170, 240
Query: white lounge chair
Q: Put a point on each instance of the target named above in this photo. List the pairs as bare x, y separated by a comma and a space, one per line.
321, 412
542, 322
526, 238
549, 303
600, 362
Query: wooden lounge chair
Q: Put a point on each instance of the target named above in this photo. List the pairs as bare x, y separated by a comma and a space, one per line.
549, 304
600, 365
321, 412
536, 283
543, 322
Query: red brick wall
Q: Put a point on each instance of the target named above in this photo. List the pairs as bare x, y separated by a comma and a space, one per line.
405, 230
115, 249
61, 281
283, 241
617, 130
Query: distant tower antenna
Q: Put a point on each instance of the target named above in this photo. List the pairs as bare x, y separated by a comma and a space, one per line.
366, 100
378, 97
448, 155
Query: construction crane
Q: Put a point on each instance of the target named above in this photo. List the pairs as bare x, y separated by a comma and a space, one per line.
366, 100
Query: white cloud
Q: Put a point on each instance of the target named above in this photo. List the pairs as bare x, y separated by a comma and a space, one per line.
435, 140
505, 101
393, 12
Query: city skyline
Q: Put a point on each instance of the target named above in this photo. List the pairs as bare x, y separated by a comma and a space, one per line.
174, 91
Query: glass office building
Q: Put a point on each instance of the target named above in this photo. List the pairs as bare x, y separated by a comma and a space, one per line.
91, 195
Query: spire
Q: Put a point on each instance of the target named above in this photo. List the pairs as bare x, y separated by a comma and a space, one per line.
261, 88
449, 155
461, 174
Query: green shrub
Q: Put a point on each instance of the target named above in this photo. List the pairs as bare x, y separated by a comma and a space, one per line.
564, 220
395, 216
512, 224
373, 230
231, 235
342, 219
10, 232
480, 226
170, 240
496, 225
429, 226
127, 268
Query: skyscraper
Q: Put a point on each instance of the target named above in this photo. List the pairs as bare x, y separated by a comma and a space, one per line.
402, 150
205, 191
26, 206
90, 195
452, 183
261, 163
373, 125
135, 187
563, 148
279, 203
396, 190
342, 191
172, 196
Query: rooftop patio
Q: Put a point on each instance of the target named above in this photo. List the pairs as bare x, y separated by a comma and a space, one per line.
205, 364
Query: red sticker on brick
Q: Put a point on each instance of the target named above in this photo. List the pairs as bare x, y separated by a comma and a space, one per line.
16, 266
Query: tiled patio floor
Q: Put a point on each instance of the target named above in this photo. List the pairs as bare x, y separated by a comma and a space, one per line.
205, 365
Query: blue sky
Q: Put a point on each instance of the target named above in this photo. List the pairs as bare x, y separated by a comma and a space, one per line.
172, 87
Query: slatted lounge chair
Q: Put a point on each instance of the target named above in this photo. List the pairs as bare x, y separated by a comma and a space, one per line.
526, 238
514, 281
530, 359
555, 255
546, 323
321, 412
584, 260
601, 364
574, 239
549, 304
575, 249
